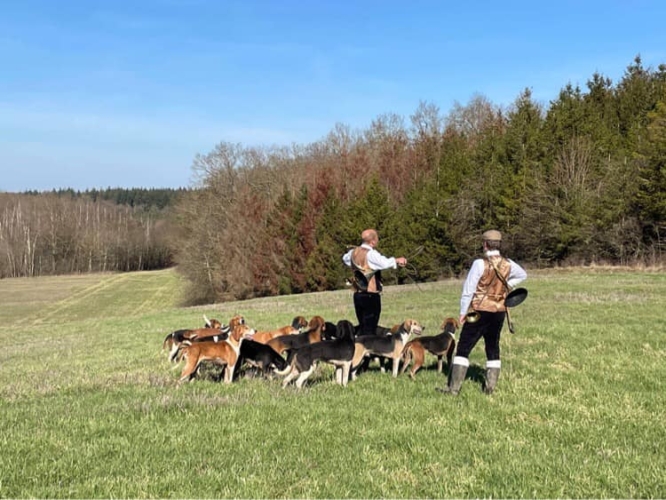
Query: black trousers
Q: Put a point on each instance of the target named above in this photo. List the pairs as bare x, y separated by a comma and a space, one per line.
368, 307
489, 327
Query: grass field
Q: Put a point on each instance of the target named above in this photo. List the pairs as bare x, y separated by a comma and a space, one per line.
91, 409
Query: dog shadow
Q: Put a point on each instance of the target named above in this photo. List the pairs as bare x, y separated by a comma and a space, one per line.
476, 374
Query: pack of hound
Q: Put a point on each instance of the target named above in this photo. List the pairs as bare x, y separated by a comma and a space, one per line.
294, 351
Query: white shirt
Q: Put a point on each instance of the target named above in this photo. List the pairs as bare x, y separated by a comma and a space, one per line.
376, 261
516, 275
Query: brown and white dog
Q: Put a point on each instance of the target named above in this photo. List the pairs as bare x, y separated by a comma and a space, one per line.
338, 352
173, 340
387, 346
297, 326
212, 329
223, 354
438, 345
290, 342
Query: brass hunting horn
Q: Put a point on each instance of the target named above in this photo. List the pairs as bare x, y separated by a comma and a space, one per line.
472, 316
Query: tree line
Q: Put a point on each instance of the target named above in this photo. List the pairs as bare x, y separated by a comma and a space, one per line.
146, 198
53, 234
578, 181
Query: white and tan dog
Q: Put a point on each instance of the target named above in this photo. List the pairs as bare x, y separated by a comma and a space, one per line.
387, 346
297, 326
223, 353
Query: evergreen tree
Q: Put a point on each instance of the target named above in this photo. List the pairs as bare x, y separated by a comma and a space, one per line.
651, 195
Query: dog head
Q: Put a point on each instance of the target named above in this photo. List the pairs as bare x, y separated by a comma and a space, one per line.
299, 323
450, 325
316, 323
345, 329
412, 326
240, 332
236, 320
212, 323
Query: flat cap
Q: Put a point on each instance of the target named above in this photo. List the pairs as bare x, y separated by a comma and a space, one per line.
492, 235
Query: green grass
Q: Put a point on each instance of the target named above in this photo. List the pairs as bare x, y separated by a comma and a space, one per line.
91, 408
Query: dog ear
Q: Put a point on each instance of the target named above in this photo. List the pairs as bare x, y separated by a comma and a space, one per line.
345, 329
450, 325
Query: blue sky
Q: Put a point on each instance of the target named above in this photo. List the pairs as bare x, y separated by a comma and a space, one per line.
117, 93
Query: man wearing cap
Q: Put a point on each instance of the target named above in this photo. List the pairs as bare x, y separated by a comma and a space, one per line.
484, 291
367, 264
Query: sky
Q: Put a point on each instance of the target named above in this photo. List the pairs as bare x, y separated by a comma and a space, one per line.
116, 93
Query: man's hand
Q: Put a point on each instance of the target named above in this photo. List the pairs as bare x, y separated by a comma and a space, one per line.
401, 261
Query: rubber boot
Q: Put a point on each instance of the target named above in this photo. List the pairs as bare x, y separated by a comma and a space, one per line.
456, 379
492, 374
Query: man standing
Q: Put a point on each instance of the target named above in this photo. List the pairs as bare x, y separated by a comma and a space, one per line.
367, 264
484, 290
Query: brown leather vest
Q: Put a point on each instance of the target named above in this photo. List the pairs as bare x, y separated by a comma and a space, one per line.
490, 291
365, 279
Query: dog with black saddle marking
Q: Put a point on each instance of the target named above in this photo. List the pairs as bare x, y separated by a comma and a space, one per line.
173, 341
252, 353
338, 352
387, 346
380, 330
440, 345
259, 356
383, 362
313, 334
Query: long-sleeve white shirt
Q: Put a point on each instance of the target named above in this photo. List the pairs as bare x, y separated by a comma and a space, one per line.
516, 275
376, 261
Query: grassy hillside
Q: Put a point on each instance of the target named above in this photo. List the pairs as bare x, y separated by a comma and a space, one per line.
90, 405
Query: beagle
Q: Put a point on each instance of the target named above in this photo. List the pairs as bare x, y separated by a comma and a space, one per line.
338, 352
438, 345
223, 353
289, 342
173, 340
259, 356
387, 346
297, 325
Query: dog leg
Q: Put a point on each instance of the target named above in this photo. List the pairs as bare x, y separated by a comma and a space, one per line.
292, 375
449, 354
189, 370
346, 367
357, 359
419, 359
304, 376
173, 352
229, 374
440, 363
406, 359
396, 366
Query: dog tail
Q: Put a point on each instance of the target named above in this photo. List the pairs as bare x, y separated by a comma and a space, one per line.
168, 341
183, 351
287, 368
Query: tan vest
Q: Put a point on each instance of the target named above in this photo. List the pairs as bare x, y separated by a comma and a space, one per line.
365, 279
490, 291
